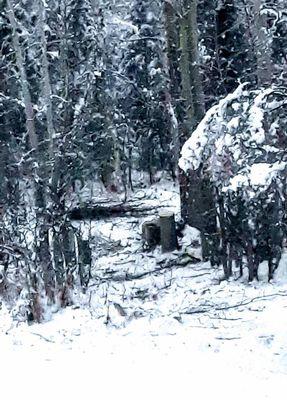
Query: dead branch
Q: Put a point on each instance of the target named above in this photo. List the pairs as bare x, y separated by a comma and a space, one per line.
207, 307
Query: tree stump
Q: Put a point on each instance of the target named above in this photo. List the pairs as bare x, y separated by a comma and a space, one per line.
151, 233
168, 237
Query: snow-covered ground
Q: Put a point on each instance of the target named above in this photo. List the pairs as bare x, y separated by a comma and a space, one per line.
153, 326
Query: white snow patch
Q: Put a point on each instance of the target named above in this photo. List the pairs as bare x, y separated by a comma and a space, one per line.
125, 23
257, 115
260, 175
192, 150
175, 332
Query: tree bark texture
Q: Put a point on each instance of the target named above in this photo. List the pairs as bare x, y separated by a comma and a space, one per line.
151, 233
191, 86
39, 187
262, 46
168, 237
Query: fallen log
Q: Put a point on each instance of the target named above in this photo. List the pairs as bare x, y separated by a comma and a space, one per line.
100, 211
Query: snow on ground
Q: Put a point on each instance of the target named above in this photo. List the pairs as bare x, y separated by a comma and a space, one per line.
153, 326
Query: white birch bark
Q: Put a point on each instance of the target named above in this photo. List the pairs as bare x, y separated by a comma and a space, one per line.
29, 112
46, 81
38, 184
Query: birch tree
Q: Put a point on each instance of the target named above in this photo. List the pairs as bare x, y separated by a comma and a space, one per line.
43, 256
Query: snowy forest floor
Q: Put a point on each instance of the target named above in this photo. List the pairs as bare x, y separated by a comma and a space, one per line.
152, 326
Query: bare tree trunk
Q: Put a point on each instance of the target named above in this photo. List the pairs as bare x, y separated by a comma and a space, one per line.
262, 46
174, 91
29, 112
63, 247
46, 82
190, 77
39, 185
186, 89
192, 94
171, 20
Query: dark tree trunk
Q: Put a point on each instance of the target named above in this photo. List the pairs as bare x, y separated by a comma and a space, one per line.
151, 233
168, 235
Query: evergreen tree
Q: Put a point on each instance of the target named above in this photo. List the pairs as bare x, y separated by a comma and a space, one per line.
145, 101
226, 47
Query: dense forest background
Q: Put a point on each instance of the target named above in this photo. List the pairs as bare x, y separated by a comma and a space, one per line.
106, 90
